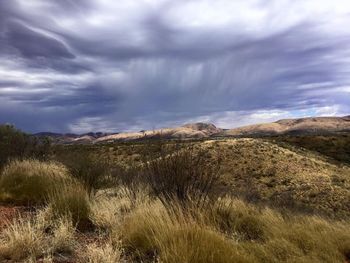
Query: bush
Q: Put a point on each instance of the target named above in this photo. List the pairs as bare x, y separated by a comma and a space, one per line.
72, 201
15, 144
184, 176
28, 182
91, 171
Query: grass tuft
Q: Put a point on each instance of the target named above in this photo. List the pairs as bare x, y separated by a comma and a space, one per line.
72, 201
28, 182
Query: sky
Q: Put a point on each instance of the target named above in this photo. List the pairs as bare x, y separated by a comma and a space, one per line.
126, 65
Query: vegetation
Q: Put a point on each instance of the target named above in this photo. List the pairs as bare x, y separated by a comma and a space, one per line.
29, 182
183, 176
15, 144
91, 172
72, 201
234, 200
335, 147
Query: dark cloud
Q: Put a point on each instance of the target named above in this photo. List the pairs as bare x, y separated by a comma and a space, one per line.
126, 65
32, 44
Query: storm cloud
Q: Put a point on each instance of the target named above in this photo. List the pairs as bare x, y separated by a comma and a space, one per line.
78, 66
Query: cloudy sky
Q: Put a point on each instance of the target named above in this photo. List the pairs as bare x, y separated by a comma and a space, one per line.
105, 65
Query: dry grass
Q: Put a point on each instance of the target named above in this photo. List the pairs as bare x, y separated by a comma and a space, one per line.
28, 182
154, 231
71, 200
132, 225
261, 171
63, 239
233, 232
40, 236
106, 253
22, 239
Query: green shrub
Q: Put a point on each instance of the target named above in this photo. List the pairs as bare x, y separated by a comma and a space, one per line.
28, 182
15, 144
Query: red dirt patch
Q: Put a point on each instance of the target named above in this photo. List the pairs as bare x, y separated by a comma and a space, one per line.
9, 213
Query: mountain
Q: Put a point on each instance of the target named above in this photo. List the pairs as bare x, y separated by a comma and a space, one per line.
302, 126
187, 131
67, 138
314, 125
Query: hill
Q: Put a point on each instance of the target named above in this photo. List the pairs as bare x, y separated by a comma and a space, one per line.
260, 170
314, 125
302, 126
187, 131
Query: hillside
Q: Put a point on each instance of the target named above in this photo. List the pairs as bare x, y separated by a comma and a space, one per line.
260, 171
315, 125
302, 126
227, 200
187, 131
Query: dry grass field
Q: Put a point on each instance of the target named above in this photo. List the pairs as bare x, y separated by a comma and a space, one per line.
229, 200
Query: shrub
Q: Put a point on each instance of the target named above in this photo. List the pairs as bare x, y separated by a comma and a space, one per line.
72, 201
184, 176
28, 182
15, 144
91, 171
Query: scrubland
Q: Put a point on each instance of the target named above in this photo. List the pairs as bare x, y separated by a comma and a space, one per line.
233, 200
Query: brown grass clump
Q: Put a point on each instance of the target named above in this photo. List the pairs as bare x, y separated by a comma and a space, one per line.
236, 218
33, 182
37, 237
20, 240
154, 231
28, 182
106, 253
62, 239
109, 207
72, 201
233, 232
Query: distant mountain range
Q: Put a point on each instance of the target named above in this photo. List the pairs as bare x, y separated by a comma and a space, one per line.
314, 125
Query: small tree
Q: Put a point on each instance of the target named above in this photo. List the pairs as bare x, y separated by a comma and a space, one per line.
15, 144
